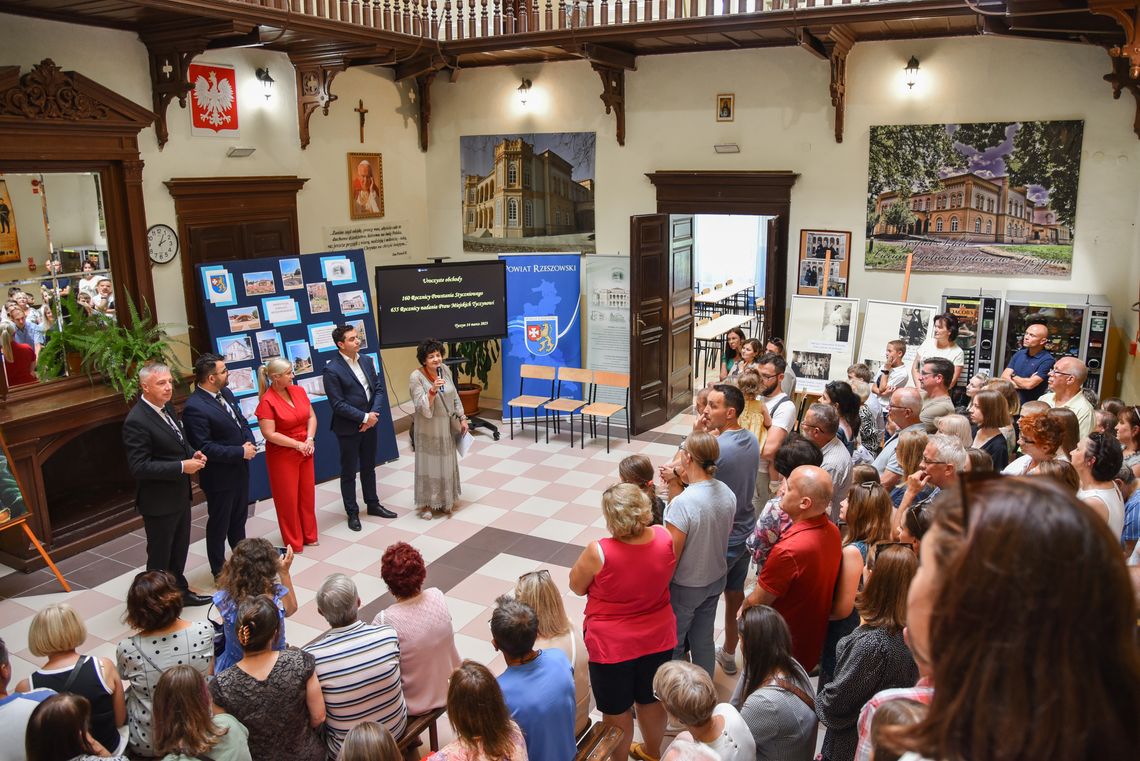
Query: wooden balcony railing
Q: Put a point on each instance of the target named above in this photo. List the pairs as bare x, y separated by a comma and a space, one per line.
470, 19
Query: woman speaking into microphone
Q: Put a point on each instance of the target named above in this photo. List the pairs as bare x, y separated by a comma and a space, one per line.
438, 418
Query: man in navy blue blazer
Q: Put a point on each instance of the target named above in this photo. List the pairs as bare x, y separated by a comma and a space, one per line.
215, 425
356, 394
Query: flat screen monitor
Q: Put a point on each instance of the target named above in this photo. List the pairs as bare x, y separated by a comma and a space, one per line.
464, 301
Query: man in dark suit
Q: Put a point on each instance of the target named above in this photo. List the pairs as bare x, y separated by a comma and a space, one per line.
214, 424
162, 461
356, 394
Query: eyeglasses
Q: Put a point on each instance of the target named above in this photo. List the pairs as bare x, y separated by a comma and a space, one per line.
1024, 440
809, 425
765, 377
541, 573
927, 461
1054, 371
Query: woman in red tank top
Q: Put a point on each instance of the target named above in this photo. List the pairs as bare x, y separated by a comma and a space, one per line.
629, 625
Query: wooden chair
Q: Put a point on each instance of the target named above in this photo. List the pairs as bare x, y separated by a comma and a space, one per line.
416, 726
568, 404
606, 410
530, 402
598, 742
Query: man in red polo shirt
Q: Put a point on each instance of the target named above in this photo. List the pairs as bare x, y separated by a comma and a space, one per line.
798, 580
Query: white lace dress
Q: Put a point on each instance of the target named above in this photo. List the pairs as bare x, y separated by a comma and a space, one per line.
437, 465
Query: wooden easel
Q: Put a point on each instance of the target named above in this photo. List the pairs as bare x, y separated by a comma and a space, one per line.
906, 277
23, 523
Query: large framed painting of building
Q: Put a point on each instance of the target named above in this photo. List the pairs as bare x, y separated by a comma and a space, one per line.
532, 192
986, 198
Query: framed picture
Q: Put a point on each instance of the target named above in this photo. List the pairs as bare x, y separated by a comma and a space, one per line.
365, 186
825, 255
725, 107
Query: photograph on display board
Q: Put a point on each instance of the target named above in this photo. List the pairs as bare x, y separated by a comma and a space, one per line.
244, 318
338, 270
523, 193
235, 348
821, 337
281, 310
314, 386
301, 356
815, 246
13, 507
993, 198
248, 405
242, 381
893, 320
291, 278
318, 297
320, 336
259, 283
365, 186
268, 345
353, 302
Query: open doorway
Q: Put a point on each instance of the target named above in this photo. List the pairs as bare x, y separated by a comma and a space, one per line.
730, 271
662, 278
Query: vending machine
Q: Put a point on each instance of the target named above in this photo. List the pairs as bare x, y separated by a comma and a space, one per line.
978, 313
1078, 327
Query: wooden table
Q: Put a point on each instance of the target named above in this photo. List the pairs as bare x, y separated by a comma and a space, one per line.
715, 329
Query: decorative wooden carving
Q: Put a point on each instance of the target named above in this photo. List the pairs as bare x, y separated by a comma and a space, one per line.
841, 40
47, 92
421, 98
1121, 79
613, 95
315, 74
1127, 14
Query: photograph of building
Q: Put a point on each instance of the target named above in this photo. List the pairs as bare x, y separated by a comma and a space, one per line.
534, 187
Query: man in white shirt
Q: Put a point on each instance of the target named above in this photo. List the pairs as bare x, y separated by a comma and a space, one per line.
893, 375
771, 368
820, 425
1065, 382
904, 411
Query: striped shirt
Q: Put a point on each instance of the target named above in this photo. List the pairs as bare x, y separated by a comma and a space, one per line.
359, 669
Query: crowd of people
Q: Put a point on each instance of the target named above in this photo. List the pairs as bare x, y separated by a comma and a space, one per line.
924, 584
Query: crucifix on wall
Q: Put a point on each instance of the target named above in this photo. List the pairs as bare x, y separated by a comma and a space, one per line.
360, 109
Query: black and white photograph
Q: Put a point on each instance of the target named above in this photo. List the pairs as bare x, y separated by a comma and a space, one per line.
811, 276
913, 326
818, 244
811, 364
837, 321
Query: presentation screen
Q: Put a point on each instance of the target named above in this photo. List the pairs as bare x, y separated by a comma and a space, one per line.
449, 302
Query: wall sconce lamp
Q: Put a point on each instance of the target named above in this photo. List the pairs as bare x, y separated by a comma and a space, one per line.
524, 91
266, 80
911, 72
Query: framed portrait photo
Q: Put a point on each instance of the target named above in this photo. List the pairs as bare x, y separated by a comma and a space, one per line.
365, 186
825, 258
725, 107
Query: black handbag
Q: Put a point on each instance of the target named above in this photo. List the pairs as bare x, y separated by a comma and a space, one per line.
219, 634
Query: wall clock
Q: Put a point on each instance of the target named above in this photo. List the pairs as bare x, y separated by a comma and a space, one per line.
161, 243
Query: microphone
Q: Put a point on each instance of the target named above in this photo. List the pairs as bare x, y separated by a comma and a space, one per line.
439, 374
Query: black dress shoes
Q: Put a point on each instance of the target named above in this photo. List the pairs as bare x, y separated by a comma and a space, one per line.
380, 511
354, 522
190, 599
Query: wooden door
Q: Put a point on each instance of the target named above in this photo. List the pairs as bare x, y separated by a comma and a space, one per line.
771, 323
680, 299
650, 307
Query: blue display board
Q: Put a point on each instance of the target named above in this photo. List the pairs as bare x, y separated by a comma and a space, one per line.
258, 309
543, 293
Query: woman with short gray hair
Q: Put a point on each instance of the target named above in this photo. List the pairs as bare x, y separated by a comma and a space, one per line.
690, 697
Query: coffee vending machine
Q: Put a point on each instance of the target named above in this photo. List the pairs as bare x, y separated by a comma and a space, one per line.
1078, 327
979, 334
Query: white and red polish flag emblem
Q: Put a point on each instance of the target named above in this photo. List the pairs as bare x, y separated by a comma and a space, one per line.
213, 100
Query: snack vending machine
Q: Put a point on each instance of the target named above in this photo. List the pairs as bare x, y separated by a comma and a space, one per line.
978, 313
1078, 327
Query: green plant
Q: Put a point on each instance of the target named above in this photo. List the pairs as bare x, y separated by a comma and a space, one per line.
72, 335
119, 349
481, 356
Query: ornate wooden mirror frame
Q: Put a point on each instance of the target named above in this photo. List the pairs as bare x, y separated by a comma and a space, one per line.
60, 121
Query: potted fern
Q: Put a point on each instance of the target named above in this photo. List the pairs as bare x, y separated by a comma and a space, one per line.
481, 357
67, 341
119, 349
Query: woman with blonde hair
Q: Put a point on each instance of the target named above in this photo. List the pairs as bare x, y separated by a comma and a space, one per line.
957, 426
481, 720
538, 590
289, 425
909, 455
630, 629
875, 656
699, 520
1070, 429
56, 633
691, 698
184, 726
369, 741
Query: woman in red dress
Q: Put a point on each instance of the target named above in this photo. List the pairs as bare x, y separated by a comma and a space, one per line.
289, 424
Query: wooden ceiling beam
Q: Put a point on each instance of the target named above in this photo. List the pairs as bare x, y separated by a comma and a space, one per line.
316, 71
840, 41
613, 95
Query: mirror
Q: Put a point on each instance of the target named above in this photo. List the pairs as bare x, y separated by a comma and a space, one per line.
53, 247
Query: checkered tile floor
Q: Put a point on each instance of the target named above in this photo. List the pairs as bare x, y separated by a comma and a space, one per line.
524, 506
